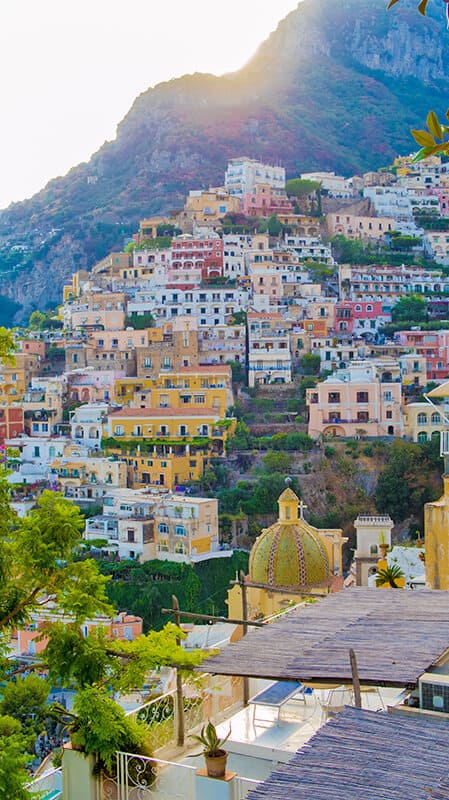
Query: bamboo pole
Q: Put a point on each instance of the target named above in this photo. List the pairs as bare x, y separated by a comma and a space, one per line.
180, 723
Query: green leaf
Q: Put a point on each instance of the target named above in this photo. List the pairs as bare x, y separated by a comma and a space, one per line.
422, 7
433, 125
392, 3
425, 152
423, 138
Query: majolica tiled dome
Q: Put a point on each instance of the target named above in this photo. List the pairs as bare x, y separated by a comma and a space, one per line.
289, 554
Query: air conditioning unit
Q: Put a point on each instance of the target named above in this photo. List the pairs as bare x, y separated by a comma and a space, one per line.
434, 692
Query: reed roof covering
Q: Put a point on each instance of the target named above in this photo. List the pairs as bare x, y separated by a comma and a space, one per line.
366, 754
396, 635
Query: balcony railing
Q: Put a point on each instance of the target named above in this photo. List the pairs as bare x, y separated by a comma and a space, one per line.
47, 786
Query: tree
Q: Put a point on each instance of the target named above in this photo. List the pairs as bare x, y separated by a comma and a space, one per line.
310, 364
301, 187
25, 699
390, 575
274, 227
38, 570
412, 308
277, 462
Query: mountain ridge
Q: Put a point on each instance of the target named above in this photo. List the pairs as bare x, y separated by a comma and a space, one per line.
333, 87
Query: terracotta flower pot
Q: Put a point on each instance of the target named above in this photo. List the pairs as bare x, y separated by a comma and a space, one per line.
216, 765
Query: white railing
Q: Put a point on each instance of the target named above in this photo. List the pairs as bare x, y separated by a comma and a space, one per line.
141, 778
48, 786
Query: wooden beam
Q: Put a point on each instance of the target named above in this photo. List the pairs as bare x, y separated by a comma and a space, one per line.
211, 618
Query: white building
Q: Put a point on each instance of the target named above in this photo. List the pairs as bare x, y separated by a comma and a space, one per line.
33, 457
335, 185
243, 174
86, 424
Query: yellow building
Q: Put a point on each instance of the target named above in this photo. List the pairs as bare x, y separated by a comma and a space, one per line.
167, 446
210, 387
15, 376
95, 476
436, 539
289, 560
206, 207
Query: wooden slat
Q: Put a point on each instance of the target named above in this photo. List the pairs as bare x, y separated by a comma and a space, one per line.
396, 635
364, 754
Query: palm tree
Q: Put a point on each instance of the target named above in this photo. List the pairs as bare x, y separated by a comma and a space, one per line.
389, 575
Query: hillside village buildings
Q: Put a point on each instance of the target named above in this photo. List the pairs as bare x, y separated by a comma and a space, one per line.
140, 399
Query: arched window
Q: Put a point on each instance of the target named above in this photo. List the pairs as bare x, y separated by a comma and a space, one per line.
163, 528
369, 307
422, 419
422, 436
180, 530
435, 419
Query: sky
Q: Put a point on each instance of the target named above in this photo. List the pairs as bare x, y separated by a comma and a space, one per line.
71, 70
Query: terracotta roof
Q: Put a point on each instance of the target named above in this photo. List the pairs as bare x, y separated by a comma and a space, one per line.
185, 411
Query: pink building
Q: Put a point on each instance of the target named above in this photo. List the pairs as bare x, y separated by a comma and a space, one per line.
92, 386
202, 253
265, 201
434, 345
359, 398
28, 641
443, 196
359, 316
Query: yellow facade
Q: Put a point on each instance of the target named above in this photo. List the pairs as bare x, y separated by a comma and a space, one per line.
436, 538
169, 469
15, 377
176, 390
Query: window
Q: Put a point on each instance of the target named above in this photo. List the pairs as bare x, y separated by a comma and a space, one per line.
163, 528
435, 419
119, 430
422, 436
362, 397
147, 362
362, 416
422, 419
37, 452
389, 414
180, 530
130, 535
200, 398
388, 396
333, 397
373, 549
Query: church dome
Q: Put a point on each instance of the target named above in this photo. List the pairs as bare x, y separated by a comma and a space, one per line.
289, 554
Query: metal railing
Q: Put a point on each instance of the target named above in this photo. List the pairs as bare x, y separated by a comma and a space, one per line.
141, 778
48, 786
210, 697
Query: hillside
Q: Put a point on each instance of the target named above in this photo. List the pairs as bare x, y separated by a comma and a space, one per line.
336, 86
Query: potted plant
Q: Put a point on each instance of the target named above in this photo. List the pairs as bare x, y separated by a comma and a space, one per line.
213, 752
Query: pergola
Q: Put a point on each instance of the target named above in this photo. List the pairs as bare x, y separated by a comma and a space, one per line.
396, 636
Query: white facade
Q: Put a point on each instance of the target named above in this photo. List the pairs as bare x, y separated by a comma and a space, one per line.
212, 305
336, 185
243, 174
310, 248
87, 424
34, 456
390, 201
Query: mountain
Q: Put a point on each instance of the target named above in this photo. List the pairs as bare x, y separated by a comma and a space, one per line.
337, 86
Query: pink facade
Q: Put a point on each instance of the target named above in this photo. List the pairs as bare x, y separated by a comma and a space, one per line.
92, 386
123, 626
354, 400
266, 202
35, 346
356, 316
434, 345
443, 196
205, 254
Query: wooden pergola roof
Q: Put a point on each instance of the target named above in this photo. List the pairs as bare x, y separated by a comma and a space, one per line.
396, 635
366, 754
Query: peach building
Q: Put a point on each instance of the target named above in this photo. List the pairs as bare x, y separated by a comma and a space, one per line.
361, 398
28, 642
353, 226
